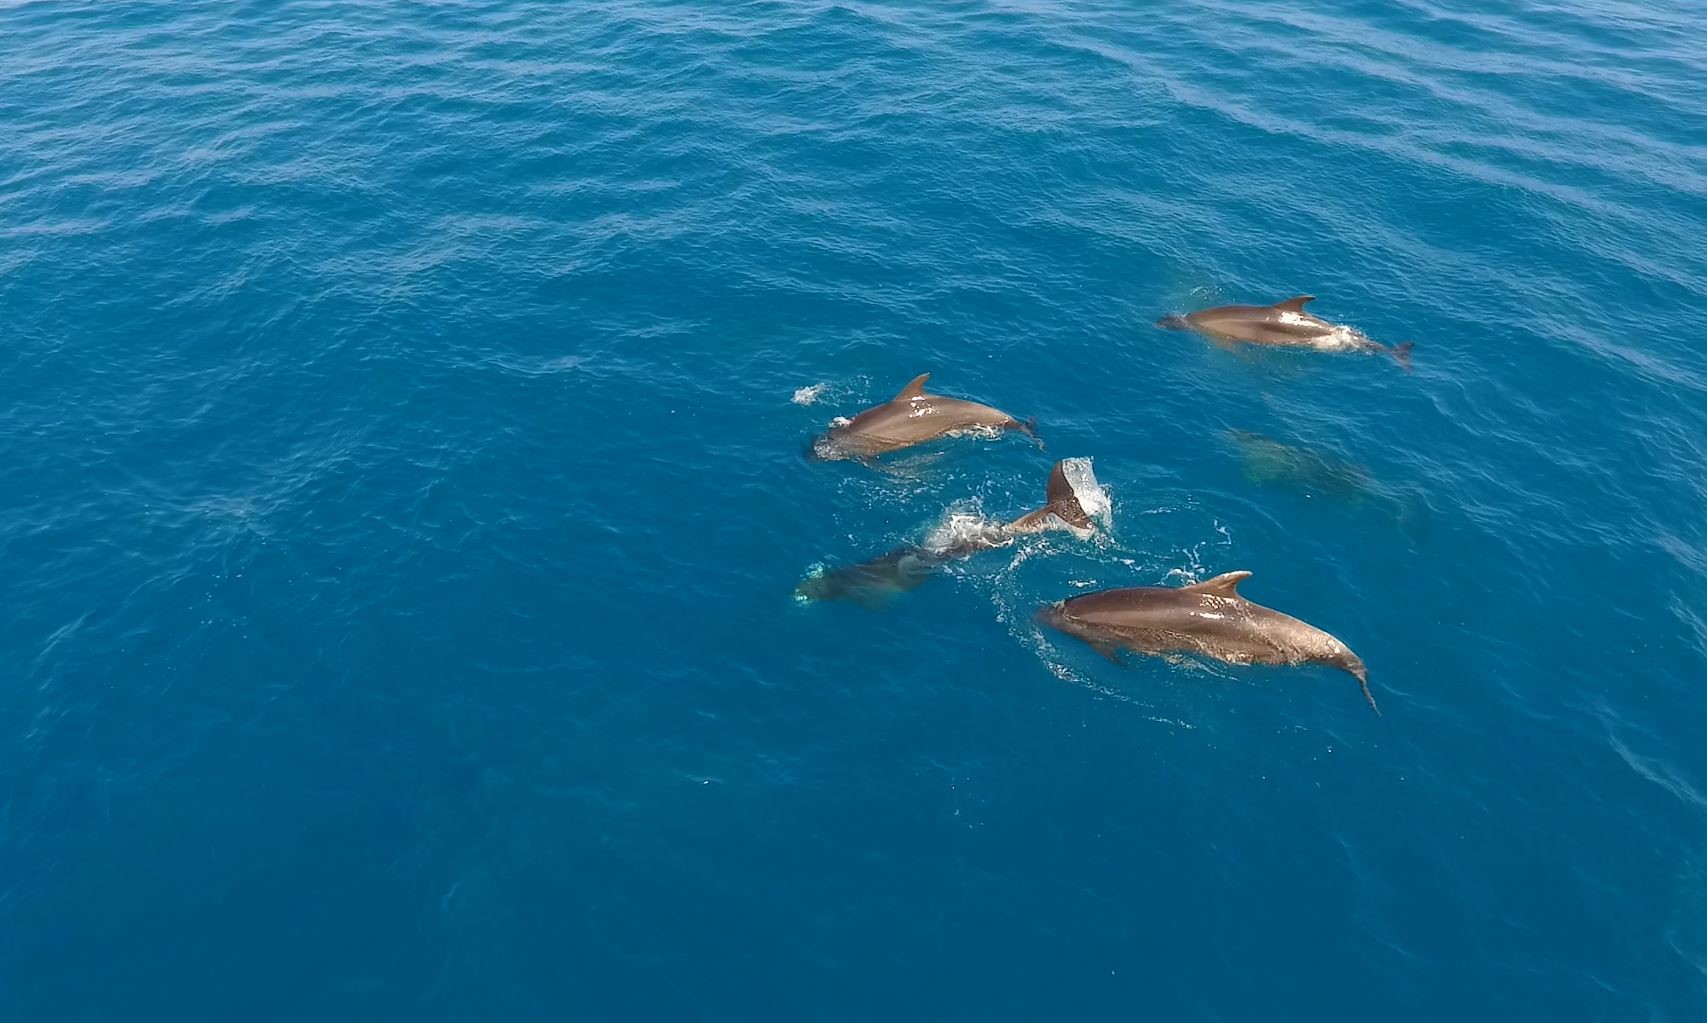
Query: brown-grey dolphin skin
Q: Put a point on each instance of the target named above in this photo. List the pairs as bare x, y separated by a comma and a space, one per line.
1060, 501
1208, 618
869, 583
1281, 325
911, 417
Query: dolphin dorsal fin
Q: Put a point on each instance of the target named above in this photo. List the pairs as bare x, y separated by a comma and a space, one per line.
1294, 305
915, 388
1224, 585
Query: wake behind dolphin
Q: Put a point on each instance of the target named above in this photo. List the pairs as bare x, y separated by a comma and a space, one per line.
1074, 502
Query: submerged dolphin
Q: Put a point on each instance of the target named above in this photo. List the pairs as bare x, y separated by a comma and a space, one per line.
1269, 461
1208, 618
906, 568
1282, 325
911, 417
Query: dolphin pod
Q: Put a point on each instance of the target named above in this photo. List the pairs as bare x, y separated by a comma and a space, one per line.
911, 417
1210, 618
870, 583
1281, 325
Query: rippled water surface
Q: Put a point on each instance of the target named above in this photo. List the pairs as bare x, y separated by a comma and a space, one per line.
402, 502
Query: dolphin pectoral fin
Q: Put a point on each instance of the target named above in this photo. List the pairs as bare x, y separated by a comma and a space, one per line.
1295, 305
1109, 651
915, 388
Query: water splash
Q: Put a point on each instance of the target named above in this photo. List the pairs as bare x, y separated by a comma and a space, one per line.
966, 527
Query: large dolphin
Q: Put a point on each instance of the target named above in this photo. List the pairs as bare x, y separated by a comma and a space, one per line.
1281, 325
869, 583
911, 417
1208, 618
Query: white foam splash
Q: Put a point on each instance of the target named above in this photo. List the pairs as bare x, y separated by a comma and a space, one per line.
1093, 496
979, 431
813, 571
1344, 338
1187, 576
966, 527
808, 395
1340, 336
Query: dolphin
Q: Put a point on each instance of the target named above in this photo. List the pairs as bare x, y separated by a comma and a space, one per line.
911, 417
905, 568
1282, 325
1270, 461
1208, 618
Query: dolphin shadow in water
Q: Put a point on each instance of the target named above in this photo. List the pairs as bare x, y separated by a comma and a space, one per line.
873, 584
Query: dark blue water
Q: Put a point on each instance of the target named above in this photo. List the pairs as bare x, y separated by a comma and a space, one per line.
402, 499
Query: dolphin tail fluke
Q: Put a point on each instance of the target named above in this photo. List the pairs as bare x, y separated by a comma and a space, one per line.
1363, 680
1402, 352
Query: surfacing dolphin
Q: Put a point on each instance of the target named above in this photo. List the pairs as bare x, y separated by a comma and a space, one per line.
869, 583
911, 417
1281, 325
1208, 618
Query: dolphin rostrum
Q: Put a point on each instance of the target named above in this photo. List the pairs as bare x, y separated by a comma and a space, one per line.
911, 417
1282, 325
908, 567
1208, 618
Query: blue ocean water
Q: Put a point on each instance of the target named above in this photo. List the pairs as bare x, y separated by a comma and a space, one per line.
403, 408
